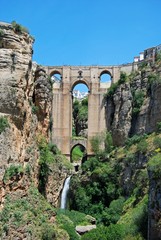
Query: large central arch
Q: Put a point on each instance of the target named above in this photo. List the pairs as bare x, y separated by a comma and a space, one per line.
62, 101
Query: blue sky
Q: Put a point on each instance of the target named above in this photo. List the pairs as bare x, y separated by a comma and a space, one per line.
87, 32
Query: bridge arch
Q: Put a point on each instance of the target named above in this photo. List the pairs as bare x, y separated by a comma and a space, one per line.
79, 157
105, 76
56, 75
75, 82
105, 71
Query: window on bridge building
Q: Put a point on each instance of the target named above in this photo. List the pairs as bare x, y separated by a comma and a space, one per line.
56, 77
105, 78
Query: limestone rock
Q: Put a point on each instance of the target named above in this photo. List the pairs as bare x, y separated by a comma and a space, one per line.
154, 207
42, 98
120, 117
83, 229
118, 113
24, 87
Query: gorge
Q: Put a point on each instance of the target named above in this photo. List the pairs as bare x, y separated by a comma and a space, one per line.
119, 182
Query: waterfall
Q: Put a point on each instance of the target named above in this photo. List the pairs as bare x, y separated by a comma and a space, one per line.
64, 193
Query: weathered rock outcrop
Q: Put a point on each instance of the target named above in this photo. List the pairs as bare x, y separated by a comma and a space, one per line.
118, 113
154, 207
25, 100
135, 106
16, 88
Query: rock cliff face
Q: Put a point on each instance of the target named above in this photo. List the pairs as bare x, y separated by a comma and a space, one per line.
154, 207
25, 100
135, 106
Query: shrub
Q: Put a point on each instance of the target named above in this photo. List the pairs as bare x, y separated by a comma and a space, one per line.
46, 157
135, 219
1, 32
96, 144
142, 65
157, 142
112, 89
48, 232
113, 232
28, 169
35, 109
80, 116
113, 213
154, 165
114, 86
134, 139
19, 28
13, 170
158, 57
130, 157
18, 216
108, 142
158, 127
138, 99
142, 146
76, 217
53, 148
152, 78
3, 124
123, 78
67, 224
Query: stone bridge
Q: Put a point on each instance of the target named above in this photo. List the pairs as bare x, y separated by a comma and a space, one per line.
62, 101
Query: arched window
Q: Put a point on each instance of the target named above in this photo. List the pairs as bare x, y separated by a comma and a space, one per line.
56, 76
105, 78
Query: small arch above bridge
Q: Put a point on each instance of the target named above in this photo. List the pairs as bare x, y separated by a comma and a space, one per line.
105, 71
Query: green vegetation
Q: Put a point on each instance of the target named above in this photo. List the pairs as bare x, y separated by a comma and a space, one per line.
34, 109
154, 165
100, 141
142, 65
157, 142
112, 89
77, 154
158, 127
80, 116
100, 190
138, 99
1, 32
142, 146
135, 139
11, 171
3, 124
49, 156
32, 213
152, 78
18, 28
114, 86
68, 220
158, 57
